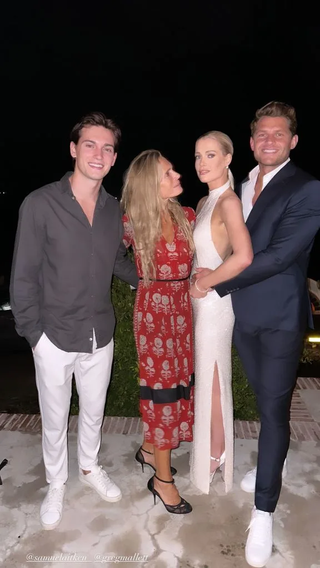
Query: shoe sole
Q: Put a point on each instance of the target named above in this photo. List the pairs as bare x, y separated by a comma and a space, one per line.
104, 497
50, 527
257, 565
246, 489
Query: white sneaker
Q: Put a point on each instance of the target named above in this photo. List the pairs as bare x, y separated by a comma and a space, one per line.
99, 480
248, 483
52, 505
259, 542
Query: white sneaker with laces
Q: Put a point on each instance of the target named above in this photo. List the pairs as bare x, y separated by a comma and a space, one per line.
99, 480
248, 483
52, 505
259, 542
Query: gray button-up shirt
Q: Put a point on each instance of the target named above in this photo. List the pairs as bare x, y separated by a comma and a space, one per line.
62, 268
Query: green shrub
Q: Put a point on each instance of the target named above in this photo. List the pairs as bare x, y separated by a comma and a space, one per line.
310, 352
123, 393
244, 400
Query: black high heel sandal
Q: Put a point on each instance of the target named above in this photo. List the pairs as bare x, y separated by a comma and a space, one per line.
140, 459
181, 508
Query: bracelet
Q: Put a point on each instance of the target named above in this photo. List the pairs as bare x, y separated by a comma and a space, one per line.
199, 289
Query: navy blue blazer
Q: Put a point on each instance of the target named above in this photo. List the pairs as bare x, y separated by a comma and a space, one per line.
272, 292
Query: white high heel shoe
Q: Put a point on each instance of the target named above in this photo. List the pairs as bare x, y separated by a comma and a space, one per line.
221, 461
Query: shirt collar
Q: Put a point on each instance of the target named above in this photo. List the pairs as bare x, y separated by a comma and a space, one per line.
267, 177
65, 187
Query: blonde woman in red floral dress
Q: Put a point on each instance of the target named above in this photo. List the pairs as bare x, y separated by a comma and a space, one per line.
160, 232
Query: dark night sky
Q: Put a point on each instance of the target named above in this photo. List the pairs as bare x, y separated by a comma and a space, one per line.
165, 71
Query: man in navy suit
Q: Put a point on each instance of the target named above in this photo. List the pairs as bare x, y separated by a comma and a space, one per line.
281, 204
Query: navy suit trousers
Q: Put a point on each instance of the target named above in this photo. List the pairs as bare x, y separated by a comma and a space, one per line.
270, 359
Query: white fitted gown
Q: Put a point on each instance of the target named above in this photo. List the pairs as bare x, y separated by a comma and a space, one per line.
214, 321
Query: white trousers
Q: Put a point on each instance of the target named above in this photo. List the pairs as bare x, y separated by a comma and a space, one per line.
54, 370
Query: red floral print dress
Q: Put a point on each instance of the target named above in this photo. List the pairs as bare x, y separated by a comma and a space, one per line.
164, 341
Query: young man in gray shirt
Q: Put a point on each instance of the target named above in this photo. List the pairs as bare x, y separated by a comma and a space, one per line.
68, 246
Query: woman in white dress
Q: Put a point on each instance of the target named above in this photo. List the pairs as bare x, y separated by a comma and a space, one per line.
223, 250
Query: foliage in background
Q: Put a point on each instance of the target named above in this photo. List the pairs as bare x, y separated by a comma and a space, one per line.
123, 393
244, 401
310, 353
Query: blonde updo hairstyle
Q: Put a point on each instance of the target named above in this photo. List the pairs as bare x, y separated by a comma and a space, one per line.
226, 145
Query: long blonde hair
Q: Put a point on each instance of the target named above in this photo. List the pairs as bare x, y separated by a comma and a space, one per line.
226, 146
144, 207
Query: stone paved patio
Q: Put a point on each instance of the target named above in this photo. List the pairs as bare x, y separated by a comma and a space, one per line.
134, 531
94, 533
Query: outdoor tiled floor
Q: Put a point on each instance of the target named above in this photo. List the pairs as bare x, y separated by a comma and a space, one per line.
303, 426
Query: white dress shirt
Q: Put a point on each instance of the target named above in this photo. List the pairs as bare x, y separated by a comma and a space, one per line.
248, 187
